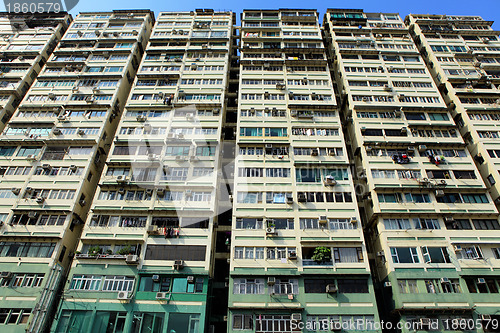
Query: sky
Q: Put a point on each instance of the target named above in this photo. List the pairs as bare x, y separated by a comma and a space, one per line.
488, 9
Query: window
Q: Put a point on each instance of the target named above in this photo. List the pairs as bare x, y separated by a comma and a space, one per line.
347, 254
118, 283
470, 252
242, 321
408, 286
313, 175
465, 174
485, 224
394, 224
285, 287
404, 255
248, 286
86, 282
435, 255
421, 223
249, 197
176, 252
34, 250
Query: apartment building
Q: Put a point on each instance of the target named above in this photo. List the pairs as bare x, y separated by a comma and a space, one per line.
26, 43
30, 267
146, 254
298, 253
54, 148
429, 216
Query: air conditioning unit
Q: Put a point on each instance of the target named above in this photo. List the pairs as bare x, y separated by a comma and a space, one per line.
189, 193
122, 295
439, 193
153, 157
62, 118
160, 192
271, 231
353, 220
178, 265
152, 230
121, 190
457, 248
323, 219
216, 111
329, 181
31, 157
155, 278
331, 288
332, 152
16, 190
387, 284
73, 167
52, 96
162, 296
40, 199
404, 130
481, 280
301, 197
369, 148
122, 179
56, 131
190, 279
81, 132
193, 158
449, 219
314, 152
189, 116
289, 199
292, 255
296, 316
444, 280
380, 254
131, 259
32, 215
271, 281
141, 117
422, 148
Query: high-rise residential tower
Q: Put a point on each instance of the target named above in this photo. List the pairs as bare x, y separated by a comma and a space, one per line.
463, 56
428, 213
29, 254
298, 253
26, 43
146, 254
54, 148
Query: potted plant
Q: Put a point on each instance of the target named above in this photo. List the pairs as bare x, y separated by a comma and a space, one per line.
322, 254
95, 250
125, 250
